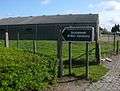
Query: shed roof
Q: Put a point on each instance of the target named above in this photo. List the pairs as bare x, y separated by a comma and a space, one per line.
76, 18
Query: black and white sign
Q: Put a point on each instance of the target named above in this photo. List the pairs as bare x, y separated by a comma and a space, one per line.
78, 34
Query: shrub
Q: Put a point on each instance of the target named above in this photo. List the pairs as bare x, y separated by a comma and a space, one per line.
24, 71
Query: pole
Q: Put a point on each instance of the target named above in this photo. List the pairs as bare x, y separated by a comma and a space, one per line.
87, 60
97, 44
18, 37
34, 39
70, 58
114, 42
6, 39
59, 55
117, 50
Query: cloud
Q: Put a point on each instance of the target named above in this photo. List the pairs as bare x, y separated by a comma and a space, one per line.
45, 2
109, 12
115, 20
110, 5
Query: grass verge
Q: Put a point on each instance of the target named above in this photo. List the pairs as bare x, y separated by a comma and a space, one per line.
24, 71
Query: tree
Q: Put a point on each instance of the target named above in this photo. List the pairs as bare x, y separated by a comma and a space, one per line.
115, 28
104, 30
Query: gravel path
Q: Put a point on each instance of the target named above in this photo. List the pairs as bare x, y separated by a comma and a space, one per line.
70, 84
111, 81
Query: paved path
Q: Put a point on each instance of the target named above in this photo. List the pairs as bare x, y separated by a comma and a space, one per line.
111, 81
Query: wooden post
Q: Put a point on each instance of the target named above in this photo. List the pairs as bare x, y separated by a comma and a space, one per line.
97, 44
114, 42
117, 50
59, 55
98, 52
18, 37
108, 37
6, 39
36, 28
70, 58
34, 40
87, 61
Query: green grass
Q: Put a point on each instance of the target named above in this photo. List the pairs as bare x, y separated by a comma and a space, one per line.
24, 71
48, 50
50, 47
95, 72
106, 48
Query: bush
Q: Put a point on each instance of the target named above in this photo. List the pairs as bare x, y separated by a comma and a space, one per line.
24, 71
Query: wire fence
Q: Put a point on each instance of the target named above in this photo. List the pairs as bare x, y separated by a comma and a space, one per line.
25, 40
109, 44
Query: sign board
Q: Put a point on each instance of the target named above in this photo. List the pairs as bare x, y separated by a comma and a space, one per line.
78, 34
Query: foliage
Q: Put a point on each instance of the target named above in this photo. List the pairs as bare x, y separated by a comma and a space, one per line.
24, 71
115, 28
104, 31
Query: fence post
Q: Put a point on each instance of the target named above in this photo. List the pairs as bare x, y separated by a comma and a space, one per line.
114, 42
87, 60
59, 55
70, 57
108, 37
18, 37
6, 39
97, 44
117, 50
34, 39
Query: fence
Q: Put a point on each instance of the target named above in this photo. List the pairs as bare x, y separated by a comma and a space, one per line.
109, 44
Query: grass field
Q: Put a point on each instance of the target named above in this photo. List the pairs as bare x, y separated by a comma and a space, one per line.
48, 50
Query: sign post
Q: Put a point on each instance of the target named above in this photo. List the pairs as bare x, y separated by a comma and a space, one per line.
85, 34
